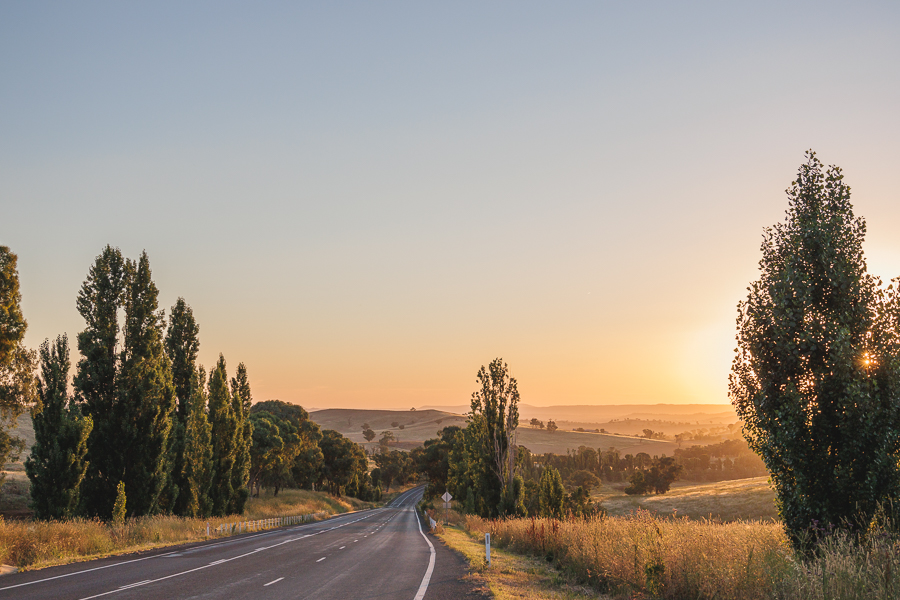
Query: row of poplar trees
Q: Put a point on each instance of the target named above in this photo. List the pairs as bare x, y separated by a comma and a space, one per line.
146, 430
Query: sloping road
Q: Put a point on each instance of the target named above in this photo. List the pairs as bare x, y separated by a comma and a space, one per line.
375, 554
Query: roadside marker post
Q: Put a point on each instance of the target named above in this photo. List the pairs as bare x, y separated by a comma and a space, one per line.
487, 548
446, 498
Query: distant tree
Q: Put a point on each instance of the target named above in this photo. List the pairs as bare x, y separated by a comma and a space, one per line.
552, 494
585, 479
648, 433
368, 434
17, 364
434, 461
816, 375
395, 423
366, 426
241, 401
394, 466
579, 503
535, 423
307, 464
386, 438
639, 484
267, 451
344, 462
662, 474
402, 426
552, 426
56, 466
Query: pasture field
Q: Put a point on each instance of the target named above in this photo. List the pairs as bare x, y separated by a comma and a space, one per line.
420, 425
726, 501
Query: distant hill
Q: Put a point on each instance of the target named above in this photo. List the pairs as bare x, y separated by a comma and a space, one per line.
601, 413
420, 425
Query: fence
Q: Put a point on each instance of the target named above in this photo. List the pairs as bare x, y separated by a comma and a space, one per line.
261, 524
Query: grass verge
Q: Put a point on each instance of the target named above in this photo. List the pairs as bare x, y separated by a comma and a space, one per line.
513, 575
28, 545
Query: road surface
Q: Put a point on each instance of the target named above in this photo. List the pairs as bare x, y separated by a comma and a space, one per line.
375, 554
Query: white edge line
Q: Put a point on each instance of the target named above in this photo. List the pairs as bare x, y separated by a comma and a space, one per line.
425, 580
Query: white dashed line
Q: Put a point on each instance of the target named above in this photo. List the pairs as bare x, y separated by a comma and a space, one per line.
271, 582
321, 559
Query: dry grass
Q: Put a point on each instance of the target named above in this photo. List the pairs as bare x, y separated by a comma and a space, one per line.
668, 558
28, 544
734, 500
512, 575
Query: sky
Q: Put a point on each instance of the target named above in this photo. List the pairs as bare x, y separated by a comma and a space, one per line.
365, 202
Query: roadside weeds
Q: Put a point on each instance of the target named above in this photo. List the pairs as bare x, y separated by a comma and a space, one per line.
512, 575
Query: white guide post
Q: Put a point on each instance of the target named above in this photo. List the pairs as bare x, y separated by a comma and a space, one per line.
487, 548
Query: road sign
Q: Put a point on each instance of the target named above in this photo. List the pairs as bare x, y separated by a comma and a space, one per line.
446, 505
446, 497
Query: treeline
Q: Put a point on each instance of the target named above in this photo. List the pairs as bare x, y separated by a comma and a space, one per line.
490, 475
146, 430
486, 472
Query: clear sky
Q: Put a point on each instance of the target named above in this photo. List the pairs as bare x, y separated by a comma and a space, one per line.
364, 202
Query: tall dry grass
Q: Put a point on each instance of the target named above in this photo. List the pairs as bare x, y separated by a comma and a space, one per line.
684, 559
665, 558
43, 543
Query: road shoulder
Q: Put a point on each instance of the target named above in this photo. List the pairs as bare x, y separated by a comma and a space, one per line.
511, 575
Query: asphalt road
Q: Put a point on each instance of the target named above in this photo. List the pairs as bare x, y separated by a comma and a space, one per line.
375, 554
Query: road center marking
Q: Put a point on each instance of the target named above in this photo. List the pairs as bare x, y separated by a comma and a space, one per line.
271, 582
321, 559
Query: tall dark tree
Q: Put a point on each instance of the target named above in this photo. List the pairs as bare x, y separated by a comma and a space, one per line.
241, 401
197, 467
225, 438
146, 396
99, 302
182, 346
56, 466
816, 378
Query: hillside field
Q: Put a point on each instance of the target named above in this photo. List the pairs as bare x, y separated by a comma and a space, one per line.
420, 425
734, 500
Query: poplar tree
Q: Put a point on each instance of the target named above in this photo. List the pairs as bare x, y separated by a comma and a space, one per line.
241, 400
197, 467
56, 466
225, 437
99, 301
17, 363
146, 395
182, 346
816, 376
